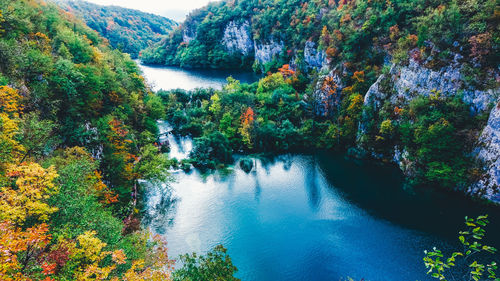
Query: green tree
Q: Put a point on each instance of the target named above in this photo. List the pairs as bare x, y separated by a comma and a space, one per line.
471, 239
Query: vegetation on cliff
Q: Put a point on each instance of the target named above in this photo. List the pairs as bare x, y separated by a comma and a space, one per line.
356, 35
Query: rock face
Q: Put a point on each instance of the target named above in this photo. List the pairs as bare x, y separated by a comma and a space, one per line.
414, 80
404, 83
314, 59
188, 34
489, 153
264, 53
238, 38
327, 94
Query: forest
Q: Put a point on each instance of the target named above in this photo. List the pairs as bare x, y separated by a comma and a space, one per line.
78, 126
127, 30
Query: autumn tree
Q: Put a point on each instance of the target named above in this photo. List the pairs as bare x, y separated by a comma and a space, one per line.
247, 119
10, 107
26, 199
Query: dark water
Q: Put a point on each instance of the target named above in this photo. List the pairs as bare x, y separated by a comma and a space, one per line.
309, 217
167, 78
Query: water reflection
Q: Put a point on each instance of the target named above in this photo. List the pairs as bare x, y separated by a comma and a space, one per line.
311, 184
161, 206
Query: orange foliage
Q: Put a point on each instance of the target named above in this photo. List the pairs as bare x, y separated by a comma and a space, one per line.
331, 52
286, 71
14, 241
359, 76
248, 116
330, 88
102, 189
345, 18
398, 111
480, 45
338, 35
394, 32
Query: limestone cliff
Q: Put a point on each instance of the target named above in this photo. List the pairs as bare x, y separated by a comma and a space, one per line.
313, 58
405, 82
265, 52
489, 153
327, 94
238, 38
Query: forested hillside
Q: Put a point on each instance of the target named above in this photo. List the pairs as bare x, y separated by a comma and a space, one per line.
411, 82
127, 30
76, 132
355, 34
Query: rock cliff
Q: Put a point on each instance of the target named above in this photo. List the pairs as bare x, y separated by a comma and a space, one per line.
313, 58
238, 38
265, 52
327, 94
489, 153
403, 83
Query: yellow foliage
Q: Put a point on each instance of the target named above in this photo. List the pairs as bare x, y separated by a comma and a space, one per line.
1, 21
10, 147
10, 107
9, 101
90, 246
356, 104
27, 197
215, 107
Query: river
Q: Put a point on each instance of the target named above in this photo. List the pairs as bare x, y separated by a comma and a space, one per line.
306, 217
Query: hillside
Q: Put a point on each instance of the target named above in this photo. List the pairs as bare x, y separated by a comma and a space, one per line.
127, 30
410, 82
76, 132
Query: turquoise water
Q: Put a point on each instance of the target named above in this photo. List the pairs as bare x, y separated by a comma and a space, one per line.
167, 78
309, 217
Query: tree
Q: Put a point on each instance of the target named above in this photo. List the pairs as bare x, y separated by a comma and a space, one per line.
37, 136
18, 248
27, 198
10, 107
442, 268
247, 119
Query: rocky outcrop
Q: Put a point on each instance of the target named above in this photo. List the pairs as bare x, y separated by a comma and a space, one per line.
188, 34
408, 82
313, 58
403, 83
327, 94
265, 52
238, 38
489, 154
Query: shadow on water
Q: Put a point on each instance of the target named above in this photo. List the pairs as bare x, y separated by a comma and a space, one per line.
381, 191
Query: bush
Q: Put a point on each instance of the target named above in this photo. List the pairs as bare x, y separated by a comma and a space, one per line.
246, 165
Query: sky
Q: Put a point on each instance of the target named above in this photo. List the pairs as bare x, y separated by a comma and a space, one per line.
174, 9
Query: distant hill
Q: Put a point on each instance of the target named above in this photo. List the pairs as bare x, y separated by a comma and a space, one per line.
126, 29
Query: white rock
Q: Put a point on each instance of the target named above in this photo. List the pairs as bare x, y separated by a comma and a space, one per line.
265, 53
489, 152
238, 38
